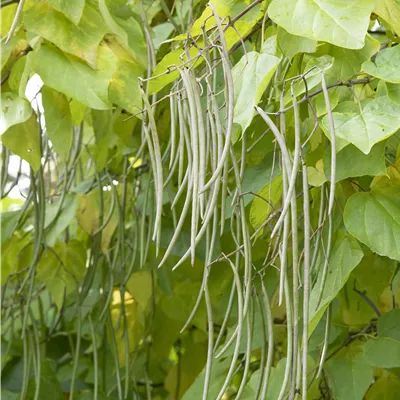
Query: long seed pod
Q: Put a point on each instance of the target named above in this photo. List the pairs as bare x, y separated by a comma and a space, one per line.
295, 245
270, 354
239, 329
155, 156
333, 143
95, 359
306, 279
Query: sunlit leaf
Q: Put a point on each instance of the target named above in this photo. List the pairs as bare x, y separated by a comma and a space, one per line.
72, 9
23, 139
343, 24
377, 120
290, 45
386, 65
14, 110
72, 77
389, 10
58, 121
80, 40
251, 76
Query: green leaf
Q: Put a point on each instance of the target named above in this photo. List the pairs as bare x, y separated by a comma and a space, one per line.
389, 10
350, 379
62, 268
9, 220
275, 380
383, 352
375, 221
393, 91
72, 77
80, 40
72, 9
351, 162
345, 256
50, 387
128, 32
23, 140
344, 24
347, 63
386, 65
251, 76
14, 110
59, 126
267, 199
388, 324
218, 375
378, 119
124, 85
290, 45
372, 276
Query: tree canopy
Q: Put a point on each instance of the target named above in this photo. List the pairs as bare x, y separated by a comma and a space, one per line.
200, 200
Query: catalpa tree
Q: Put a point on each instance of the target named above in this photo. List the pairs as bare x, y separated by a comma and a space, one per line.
200, 200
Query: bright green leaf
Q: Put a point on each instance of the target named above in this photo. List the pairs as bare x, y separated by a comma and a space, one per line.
344, 24
347, 63
350, 379
24, 140
375, 221
378, 119
251, 76
290, 45
389, 10
386, 65
14, 110
59, 126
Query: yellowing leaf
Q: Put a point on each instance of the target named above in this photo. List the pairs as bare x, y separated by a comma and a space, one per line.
80, 40
72, 77
23, 139
88, 214
72, 9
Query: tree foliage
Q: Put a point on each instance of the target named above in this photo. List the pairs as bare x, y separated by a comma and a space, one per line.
200, 200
